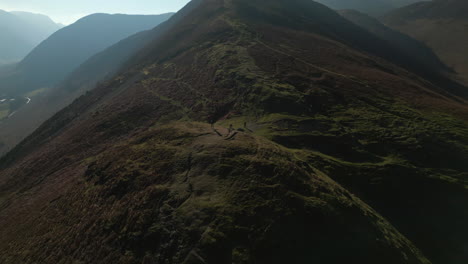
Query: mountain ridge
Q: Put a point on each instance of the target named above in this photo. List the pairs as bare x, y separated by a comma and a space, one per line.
289, 123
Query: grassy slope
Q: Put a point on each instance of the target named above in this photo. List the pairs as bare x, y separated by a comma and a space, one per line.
312, 105
182, 194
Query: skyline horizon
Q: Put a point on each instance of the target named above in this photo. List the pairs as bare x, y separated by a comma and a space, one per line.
85, 15
67, 14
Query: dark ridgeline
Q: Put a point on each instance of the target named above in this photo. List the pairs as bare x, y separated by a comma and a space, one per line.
246, 131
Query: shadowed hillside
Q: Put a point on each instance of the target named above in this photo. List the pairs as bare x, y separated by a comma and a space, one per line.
370, 7
247, 131
408, 46
442, 25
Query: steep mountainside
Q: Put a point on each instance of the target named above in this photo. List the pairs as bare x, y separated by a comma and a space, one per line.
371, 7
65, 50
20, 32
442, 25
251, 131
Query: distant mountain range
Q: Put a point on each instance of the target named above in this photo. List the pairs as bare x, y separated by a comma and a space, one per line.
371, 7
61, 53
442, 25
246, 131
20, 32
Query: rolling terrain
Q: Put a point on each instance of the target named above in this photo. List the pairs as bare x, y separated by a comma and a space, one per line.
247, 131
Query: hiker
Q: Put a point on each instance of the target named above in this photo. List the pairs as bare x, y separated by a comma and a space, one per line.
231, 128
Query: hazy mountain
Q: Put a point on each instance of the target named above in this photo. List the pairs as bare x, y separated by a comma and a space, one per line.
410, 47
43, 25
247, 131
56, 57
371, 7
442, 25
437, 9
20, 32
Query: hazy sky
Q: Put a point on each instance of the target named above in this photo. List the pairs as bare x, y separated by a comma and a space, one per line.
68, 11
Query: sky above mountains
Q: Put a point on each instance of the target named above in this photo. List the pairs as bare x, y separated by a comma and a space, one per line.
67, 12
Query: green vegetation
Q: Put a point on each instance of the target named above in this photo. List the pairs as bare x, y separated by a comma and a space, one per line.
246, 142
212, 208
